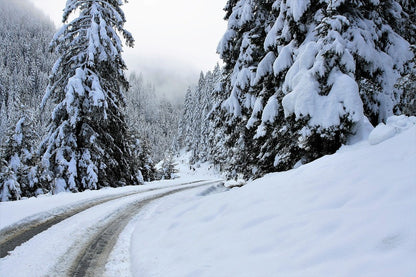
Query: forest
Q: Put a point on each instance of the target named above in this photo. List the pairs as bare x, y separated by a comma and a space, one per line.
298, 80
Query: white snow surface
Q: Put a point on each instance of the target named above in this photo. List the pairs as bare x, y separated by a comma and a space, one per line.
393, 126
347, 214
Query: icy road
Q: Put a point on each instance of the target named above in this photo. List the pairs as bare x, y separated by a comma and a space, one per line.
75, 239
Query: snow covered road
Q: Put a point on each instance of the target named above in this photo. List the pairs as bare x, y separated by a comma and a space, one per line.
78, 240
16, 234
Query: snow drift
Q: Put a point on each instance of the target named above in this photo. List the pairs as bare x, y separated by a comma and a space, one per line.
347, 214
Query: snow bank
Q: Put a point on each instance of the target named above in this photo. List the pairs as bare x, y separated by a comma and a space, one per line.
393, 126
15, 211
348, 214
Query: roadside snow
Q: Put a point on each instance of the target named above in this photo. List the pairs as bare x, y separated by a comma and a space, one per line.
393, 126
348, 214
44, 205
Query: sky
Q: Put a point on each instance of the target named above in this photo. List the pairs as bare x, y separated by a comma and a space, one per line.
174, 40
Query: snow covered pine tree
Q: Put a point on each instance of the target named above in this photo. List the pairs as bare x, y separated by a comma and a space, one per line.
301, 76
87, 146
18, 171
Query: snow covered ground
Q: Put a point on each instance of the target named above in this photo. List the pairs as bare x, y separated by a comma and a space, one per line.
348, 214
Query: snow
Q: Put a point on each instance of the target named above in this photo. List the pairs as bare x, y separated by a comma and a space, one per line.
393, 126
258, 107
269, 114
271, 37
298, 8
18, 136
348, 214
231, 105
75, 87
362, 130
15, 162
284, 60
96, 93
271, 110
265, 67
243, 78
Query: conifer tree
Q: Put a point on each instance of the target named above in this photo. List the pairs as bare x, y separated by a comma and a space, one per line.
9, 186
301, 76
186, 123
19, 172
87, 144
241, 50
406, 88
147, 167
169, 166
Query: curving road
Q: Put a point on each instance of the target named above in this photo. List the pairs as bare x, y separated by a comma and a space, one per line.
91, 256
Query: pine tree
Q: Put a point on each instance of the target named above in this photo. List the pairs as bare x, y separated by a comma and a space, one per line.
87, 144
300, 76
186, 124
147, 167
19, 170
406, 88
142, 160
197, 130
9, 187
315, 62
169, 166
241, 50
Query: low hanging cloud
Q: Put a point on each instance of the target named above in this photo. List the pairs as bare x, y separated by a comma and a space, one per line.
169, 77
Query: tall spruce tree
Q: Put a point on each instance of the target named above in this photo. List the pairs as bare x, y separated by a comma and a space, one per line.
241, 49
87, 146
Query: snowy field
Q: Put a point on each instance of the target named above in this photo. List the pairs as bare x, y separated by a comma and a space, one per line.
348, 214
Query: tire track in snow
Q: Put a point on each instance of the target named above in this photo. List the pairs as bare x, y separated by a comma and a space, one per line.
17, 234
93, 258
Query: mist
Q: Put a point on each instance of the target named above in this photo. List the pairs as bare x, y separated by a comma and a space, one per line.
169, 77
175, 41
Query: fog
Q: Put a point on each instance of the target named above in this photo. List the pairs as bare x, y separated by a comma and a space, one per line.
170, 78
175, 40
